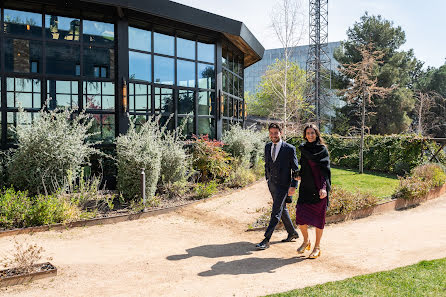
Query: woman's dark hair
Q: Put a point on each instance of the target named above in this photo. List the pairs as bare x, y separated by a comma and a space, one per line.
318, 133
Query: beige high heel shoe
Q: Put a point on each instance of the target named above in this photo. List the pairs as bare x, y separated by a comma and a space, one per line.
304, 247
315, 253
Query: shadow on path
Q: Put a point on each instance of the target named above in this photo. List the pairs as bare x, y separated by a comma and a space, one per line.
242, 248
249, 266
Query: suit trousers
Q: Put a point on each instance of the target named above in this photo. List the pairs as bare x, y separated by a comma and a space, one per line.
279, 210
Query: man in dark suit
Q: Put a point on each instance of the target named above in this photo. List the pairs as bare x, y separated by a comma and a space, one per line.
280, 162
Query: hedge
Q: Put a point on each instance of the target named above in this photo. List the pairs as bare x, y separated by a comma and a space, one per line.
397, 154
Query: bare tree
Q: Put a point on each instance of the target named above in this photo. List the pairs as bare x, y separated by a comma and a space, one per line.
427, 119
288, 24
363, 86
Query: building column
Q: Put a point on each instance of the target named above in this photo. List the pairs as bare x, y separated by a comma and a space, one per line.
121, 74
219, 90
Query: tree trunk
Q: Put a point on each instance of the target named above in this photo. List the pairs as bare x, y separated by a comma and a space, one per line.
361, 145
420, 114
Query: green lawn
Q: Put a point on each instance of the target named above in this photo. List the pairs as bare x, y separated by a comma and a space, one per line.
379, 184
427, 278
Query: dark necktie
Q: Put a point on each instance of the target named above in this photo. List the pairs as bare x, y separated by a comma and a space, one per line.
274, 152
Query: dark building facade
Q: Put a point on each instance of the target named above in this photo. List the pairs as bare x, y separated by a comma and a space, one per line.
112, 58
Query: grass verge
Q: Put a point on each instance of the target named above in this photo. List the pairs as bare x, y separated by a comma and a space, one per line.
426, 278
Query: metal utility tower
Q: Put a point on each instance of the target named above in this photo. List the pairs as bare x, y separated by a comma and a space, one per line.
318, 61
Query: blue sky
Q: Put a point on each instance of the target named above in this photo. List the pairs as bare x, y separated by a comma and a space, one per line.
423, 21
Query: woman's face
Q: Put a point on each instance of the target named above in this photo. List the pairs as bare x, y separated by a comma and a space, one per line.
310, 135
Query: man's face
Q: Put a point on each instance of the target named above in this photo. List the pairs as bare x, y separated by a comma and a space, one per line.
274, 135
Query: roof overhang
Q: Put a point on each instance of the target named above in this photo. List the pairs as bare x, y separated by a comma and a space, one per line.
233, 30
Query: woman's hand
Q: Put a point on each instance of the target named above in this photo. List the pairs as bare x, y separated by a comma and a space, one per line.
297, 178
291, 191
322, 194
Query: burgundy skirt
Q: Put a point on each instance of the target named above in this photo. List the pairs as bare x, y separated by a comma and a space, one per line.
312, 214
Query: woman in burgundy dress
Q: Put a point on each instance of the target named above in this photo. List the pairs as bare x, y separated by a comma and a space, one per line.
315, 177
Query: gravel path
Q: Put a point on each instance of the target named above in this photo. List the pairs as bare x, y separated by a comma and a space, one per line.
203, 250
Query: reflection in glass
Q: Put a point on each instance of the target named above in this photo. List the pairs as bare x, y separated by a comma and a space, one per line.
186, 73
185, 48
22, 55
62, 94
62, 28
206, 76
224, 61
99, 62
23, 92
103, 128
164, 70
14, 119
98, 32
206, 126
186, 101
230, 107
206, 52
164, 44
140, 66
139, 98
186, 125
225, 78
22, 23
164, 101
138, 120
99, 95
62, 59
140, 39
206, 103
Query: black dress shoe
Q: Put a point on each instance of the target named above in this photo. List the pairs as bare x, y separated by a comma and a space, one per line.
263, 245
291, 237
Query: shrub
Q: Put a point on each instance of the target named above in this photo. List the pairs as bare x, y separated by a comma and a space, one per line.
244, 144
204, 190
210, 159
412, 187
344, 202
3, 169
14, 208
135, 150
46, 150
431, 173
50, 210
241, 175
259, 169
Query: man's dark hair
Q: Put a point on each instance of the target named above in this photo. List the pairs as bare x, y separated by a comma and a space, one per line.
276, 126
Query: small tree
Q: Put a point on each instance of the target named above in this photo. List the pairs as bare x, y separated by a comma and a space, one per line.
363, 86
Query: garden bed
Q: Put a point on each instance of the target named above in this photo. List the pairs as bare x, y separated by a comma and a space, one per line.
12, 276
121, 215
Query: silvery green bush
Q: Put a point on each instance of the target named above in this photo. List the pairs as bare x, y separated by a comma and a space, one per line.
175, 164
53, 145
244, 144
139, 148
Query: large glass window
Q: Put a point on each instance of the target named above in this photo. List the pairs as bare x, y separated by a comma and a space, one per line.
99, 62
62, 59
62, 94
186, 102
22, 23
23, 55
140, 39
164, 101
23, 92
164, 70
99, 95
103, 127
62, 28
140, 66
98, 32
140, 99
206, 76
206, 126
164, 44
186, 48
186, 73
206, 103
206, 52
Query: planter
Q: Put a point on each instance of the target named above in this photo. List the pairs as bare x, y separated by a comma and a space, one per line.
9, 277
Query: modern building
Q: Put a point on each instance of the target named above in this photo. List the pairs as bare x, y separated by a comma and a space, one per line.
253, 74
113, 58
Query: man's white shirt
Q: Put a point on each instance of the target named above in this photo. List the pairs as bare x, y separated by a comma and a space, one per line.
278, 146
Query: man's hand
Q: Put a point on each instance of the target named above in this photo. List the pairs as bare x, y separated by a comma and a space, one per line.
291, 191
297, 178
322, 193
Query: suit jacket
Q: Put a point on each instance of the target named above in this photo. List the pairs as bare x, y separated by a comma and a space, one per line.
280, 172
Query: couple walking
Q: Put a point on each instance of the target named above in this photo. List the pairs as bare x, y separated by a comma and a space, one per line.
282, 174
